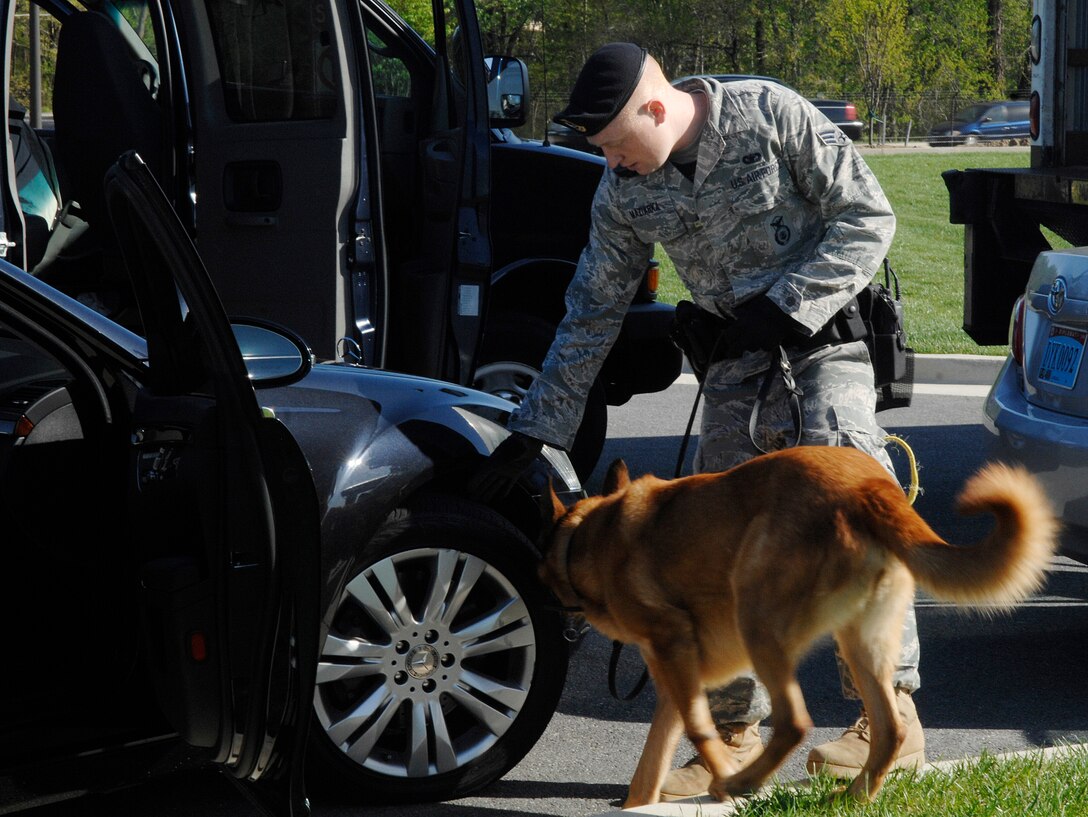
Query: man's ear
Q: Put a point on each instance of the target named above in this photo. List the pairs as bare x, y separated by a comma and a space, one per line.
617, 477
656, 108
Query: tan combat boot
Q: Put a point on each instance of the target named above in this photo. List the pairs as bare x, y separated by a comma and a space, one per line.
693, 778
843, 758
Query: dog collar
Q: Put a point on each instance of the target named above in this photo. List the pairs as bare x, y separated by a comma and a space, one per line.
567, 577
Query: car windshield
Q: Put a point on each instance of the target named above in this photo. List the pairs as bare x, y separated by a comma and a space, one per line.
970, 114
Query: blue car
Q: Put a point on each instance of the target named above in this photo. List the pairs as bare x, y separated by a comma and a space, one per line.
984, 122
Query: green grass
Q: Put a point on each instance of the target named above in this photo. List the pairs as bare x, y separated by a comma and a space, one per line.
1024, 786
927, 253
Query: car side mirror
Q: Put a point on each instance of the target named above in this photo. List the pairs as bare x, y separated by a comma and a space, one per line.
507, 91
273, 355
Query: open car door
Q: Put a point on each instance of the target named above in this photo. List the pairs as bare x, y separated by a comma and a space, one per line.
231, 580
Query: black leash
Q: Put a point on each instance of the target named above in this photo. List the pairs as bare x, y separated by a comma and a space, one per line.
779, 359
617, 646
613, 665
695, 409
780, 364
687, 432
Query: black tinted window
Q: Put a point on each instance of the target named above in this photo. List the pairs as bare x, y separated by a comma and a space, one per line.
277, 60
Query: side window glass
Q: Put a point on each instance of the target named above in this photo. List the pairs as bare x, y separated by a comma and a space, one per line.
276, 60
29, 123
420, 16
22, 53
138, 17
458, 54
388, 72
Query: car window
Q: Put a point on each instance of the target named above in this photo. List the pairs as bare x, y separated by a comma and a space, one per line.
389, 73
138, 17
970, 114
449, 34
50, 197
276, 60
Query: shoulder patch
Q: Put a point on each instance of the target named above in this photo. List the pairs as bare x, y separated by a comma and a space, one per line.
833, 136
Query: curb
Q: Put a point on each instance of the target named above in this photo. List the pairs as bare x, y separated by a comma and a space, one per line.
971, 370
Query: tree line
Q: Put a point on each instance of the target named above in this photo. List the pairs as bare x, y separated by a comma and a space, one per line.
904, 63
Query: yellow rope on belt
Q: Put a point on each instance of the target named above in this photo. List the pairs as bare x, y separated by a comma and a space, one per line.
913, 491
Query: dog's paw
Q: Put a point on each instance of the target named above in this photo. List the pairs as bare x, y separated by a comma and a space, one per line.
861, 790
734, 786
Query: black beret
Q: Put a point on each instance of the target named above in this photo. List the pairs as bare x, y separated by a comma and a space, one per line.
604, 85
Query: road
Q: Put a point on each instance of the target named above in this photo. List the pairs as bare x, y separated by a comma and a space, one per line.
989, 684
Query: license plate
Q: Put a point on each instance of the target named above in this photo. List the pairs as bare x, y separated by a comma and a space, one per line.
1062, 356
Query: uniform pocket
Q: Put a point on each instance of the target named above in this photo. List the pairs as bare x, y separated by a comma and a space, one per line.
654, 219
758, 195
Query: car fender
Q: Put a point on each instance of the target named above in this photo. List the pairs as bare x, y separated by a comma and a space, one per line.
387, 438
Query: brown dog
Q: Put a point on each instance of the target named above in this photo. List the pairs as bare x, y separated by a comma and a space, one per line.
713, 574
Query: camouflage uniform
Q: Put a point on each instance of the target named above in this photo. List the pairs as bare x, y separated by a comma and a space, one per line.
782, 204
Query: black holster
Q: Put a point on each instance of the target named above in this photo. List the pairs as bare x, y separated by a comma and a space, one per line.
699, 335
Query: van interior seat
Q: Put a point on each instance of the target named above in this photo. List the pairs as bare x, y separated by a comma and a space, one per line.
101, 108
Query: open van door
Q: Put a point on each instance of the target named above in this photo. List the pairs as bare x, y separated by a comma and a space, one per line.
425, 109
232, 586
280, 169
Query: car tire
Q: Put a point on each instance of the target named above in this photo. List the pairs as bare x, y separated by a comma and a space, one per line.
440, 641
511, 356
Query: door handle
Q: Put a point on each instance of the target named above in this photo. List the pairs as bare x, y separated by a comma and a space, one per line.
253, 187
251, 219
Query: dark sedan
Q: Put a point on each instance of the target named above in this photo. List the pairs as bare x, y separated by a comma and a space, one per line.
217, 550
842, 113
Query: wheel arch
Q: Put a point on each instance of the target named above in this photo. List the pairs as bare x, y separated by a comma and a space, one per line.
426, 456
534, 286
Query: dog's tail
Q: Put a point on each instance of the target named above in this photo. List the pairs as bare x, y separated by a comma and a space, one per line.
1010, 563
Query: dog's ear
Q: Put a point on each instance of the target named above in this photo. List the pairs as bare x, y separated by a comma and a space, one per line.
558, 508
550, 508
617, 477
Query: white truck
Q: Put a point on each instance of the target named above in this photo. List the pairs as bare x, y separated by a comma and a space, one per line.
1003, 210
